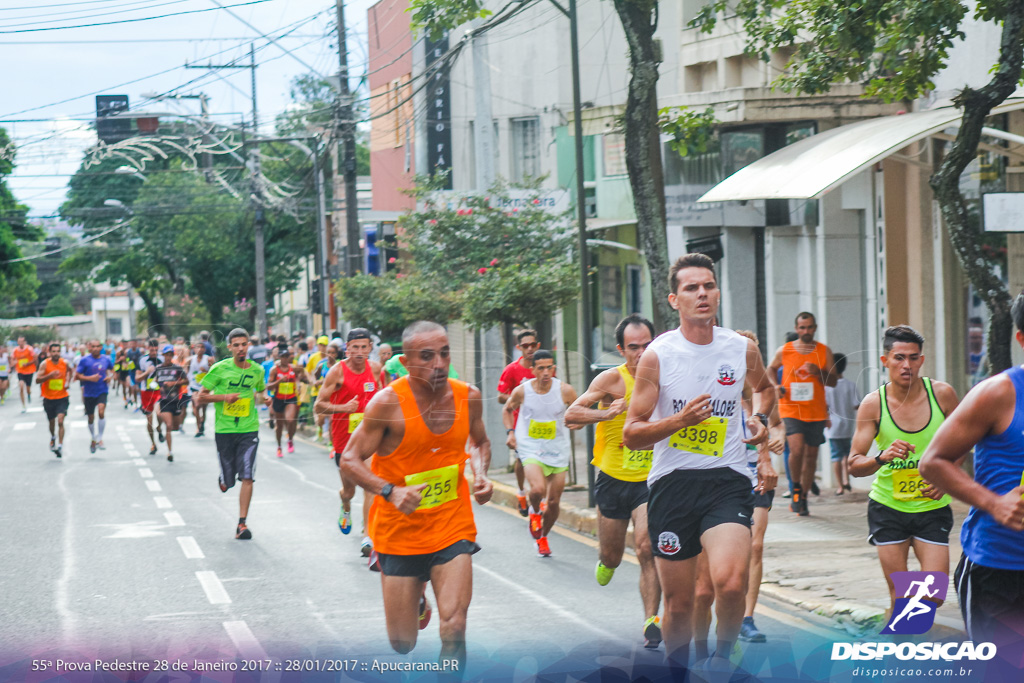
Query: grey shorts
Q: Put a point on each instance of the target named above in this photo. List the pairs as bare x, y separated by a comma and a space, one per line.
237, 454
813, 432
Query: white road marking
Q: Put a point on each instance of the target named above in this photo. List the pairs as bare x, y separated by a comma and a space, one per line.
545, 602
24, 426
68, 619
174, 519
300, 474
146, 473
34, 409
190, 548
153, 485
162, 502
213, 588
138, 461
147, 529
244, 640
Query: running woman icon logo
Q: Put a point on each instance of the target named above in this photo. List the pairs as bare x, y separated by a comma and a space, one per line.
914, 612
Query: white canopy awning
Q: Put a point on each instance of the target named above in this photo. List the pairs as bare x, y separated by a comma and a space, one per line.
808, 169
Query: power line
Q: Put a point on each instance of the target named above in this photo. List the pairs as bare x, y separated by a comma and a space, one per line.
129, 21
90, 16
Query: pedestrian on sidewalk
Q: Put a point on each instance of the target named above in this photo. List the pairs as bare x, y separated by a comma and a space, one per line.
843, 400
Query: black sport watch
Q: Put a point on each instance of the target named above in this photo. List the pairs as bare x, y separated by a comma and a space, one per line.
762, 417
878, 459
385, 491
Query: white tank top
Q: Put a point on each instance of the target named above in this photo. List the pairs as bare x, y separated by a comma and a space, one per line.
196, 367
5, 365
541, 433
688, 370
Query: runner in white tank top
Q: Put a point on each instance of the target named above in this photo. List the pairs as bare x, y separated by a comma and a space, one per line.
542, 441
687, 405
198, 365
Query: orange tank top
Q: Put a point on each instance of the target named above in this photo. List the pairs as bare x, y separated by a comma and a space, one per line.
805, 394
56, 387
445, 514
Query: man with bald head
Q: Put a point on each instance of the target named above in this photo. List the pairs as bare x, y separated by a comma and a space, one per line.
422, 521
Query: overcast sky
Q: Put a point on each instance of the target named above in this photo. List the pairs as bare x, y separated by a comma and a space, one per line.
51, 76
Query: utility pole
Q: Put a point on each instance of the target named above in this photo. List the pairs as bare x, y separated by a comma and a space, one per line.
256, 192
346, 130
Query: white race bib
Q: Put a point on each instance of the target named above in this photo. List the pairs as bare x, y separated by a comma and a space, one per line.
801, 391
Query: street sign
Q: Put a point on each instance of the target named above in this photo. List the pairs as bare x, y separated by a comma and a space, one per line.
1004, 211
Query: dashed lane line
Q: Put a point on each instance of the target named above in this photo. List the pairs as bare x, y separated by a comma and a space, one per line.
244, 639
174, 519
153, 485
190, 547
162, 502
214, 589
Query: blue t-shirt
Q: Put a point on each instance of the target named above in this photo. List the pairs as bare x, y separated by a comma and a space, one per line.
95, 366
267, 365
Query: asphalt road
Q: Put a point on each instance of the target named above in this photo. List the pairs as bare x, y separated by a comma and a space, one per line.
122, 556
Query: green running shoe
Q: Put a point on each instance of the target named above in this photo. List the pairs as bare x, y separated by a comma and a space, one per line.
603, 574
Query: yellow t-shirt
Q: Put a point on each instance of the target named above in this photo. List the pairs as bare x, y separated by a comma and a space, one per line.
314, 360
610, 455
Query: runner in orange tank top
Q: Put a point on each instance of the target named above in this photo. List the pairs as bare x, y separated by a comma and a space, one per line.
422, 519
806, 370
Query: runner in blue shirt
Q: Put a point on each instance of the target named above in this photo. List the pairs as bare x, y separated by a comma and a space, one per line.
94, 372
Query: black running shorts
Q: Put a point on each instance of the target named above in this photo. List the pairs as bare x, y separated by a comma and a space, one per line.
56, 406
887, 526
616, 499
278, 404
813, 432
686, 503
991, 601
237, 454
419, 566
91, 402
764, 500
27, 379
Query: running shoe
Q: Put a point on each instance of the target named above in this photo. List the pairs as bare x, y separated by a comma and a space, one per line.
425, 610
56, 451
280, 453
170, 458
198, 434
536, 524
271, 423
796, 501
291, 446
749, 632
367, 546
543, 506
803, 512
23, 410
92, 446
152, 451
160, 435
100, 445
222, 485
53, 445
604, 574
542, 546
345, 521
242, 532
319, 434
815, 490
523, 508
652, 632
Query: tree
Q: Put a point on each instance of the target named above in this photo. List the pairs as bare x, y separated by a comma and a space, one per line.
895, 47
17, 278
58, 305
639, 20
387, 304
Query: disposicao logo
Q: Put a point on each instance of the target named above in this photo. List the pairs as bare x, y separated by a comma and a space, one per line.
914, 613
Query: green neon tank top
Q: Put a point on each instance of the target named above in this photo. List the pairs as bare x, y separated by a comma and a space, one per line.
897, 484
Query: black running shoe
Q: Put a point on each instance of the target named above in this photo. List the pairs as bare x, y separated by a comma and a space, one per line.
242, 532
56, 451
170, 458
160, 435
152, 451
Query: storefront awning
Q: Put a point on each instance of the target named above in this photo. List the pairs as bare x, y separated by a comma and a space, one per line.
810, 168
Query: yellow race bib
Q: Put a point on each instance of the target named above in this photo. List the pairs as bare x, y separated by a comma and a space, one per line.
55, 384
200, 376
151, 385
22, 362
907, 485
636, 460
353, 421
706, 438
542, 430
117, 367
286, 388
239, 408
442, 486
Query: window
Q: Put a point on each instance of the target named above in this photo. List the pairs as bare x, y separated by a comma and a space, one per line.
614, 154
525, 148
113, 327
611, 304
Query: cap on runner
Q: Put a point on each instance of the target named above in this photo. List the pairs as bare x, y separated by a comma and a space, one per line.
323, 340
359, 333
167, 349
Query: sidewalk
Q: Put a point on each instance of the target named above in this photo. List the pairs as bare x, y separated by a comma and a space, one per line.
821, 563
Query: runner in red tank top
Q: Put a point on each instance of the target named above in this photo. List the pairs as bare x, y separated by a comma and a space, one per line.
283, 395
349, 386
416, 431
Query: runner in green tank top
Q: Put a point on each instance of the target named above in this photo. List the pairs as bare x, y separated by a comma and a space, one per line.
902, 417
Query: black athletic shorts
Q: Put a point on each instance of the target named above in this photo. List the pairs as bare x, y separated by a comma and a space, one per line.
237, 453
175, 405
991, 601
278, 404
616, 499
56, 406
814, 432
419, 566
123, 374
887, 526
91, 402
27, 379
686, 503
764, 500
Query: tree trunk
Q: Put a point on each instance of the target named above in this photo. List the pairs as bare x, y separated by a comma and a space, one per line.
643, 149
153, 312
964, 232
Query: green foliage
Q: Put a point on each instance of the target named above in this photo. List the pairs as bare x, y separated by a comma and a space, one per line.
33, 335
387, 304
59, 305
17, 280
893, 47
437, 16
520, 293
691, 131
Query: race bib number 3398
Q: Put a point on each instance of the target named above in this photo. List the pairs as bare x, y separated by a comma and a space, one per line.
706, 438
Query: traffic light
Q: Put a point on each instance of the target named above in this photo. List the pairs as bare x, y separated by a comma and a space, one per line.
112, 130
315, 297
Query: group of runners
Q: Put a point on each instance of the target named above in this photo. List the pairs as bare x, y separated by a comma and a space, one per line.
685, 429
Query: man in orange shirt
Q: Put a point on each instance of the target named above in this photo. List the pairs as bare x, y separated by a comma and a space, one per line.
806, 371
24, 358
53, 378
421, 521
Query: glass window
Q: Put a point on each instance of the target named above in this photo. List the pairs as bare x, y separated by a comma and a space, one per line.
614, 154
525, 148
113, 327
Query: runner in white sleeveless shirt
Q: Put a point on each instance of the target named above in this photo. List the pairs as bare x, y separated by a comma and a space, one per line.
687, 403
541, 441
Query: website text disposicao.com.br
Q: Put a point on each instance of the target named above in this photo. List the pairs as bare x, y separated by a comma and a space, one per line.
946, 672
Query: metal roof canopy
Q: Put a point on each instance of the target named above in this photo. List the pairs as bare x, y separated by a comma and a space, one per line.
810, 168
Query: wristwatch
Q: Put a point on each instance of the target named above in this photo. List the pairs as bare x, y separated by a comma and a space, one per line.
385, 491
878, 459
762, 417
509, 431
